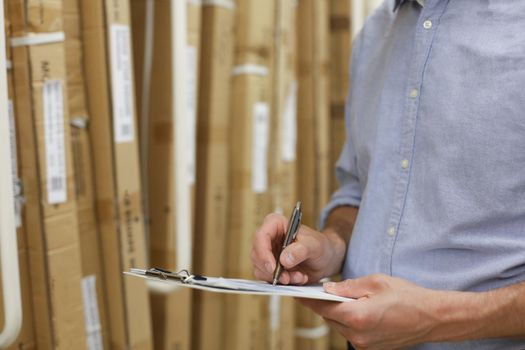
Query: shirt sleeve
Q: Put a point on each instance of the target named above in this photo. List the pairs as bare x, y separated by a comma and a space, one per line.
349, 192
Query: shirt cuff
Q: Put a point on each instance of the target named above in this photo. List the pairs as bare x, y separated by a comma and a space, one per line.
334, 203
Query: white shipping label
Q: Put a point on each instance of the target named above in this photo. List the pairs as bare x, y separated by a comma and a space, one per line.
54, 137
191, 108
289, 125
17, 190
121, 83
260, 138
91, 314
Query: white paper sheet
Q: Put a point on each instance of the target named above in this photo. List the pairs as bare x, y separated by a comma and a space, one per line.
241, 286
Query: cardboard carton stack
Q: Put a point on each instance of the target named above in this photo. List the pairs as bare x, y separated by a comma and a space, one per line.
26, 338
284, 156
212, 181
340, 50
171, 311
93, 281
250, 164
313, 140
113, 132
50, 216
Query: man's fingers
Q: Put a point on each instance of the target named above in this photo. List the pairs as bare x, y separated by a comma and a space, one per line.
267, 235
356, 288
297, 277
261, 275
299, 251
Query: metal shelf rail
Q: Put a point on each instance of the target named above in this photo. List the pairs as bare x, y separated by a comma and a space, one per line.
8, 240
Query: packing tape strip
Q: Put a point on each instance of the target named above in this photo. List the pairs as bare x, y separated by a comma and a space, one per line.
250, 68
194, 2
228, 4
38, 39
312, 333
8, 64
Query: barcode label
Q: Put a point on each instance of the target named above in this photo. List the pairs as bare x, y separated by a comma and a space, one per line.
121, 83
54, 136
91, 314
191, 77
14, 165
289, 125
261, 120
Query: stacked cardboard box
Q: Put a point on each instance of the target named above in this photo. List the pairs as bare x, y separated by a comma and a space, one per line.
340, 48
113, 133
93, 284
171, 311
212, 186
284, 171
313, 139
250, 164
26, 338
46, 169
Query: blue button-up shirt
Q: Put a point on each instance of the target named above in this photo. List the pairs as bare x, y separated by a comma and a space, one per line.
435, 148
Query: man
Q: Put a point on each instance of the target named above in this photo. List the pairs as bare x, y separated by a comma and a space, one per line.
432, 184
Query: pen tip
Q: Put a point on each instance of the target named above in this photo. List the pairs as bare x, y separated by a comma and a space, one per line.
298, 205
274, 282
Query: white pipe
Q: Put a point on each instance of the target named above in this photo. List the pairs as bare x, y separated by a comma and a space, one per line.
181, 196
8, 243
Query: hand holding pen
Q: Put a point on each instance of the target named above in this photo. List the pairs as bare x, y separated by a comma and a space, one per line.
307, 257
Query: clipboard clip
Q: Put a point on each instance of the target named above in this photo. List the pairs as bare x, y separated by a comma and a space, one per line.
183, 276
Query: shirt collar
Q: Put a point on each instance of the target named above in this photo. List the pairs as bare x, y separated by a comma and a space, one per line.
400, 2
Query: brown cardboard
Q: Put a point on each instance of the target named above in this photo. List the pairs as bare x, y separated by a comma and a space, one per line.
117, 179
313, 132
250, 199
284, 168
340, 51
96, 328
172, 312
52, 229
26, 337
212, 187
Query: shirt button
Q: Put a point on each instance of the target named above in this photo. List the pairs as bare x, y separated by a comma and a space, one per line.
414, 93
391, 231
427, 24
404, 163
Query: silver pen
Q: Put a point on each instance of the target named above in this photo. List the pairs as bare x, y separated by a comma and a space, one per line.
291, 233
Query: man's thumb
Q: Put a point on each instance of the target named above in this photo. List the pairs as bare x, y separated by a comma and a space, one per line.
351, 288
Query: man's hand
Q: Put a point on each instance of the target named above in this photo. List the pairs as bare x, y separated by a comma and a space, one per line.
312, 256
389, 313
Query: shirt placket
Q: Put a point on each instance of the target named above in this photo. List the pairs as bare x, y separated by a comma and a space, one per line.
424, 36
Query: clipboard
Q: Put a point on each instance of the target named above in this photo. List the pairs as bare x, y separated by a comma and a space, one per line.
234, 286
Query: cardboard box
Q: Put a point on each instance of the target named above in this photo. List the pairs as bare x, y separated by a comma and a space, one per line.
26, 338
313, 139
250, 165
93, 284
212, 181
340, 52
284, 155
50, 217
113, 132
172, 313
